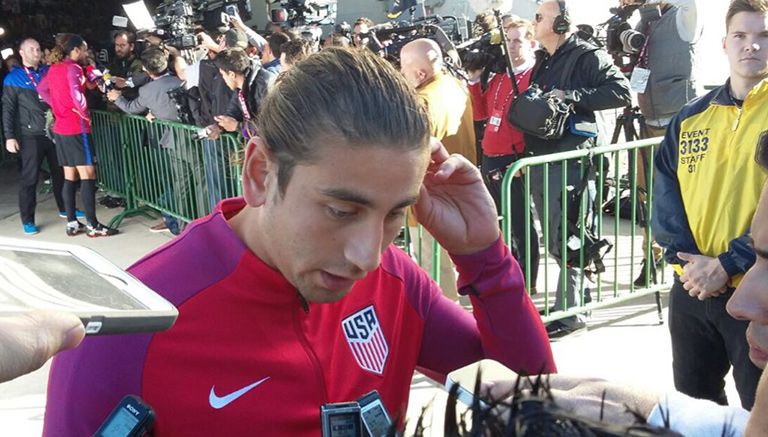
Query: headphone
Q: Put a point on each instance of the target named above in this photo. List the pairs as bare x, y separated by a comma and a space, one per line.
562, 23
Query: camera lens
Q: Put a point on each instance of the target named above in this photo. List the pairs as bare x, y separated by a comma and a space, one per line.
632, 41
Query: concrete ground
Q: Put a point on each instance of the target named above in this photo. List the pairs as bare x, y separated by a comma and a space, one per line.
623, 343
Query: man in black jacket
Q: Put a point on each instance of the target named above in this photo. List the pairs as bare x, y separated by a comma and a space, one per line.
24, 130
250, 82
594, 84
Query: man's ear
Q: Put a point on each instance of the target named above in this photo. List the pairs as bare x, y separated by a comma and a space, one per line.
256, 171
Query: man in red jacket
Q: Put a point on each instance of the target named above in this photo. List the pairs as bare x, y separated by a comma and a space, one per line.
64, 90
502, 143
293, 296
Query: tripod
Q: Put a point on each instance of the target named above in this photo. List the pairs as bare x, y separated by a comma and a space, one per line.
626, 122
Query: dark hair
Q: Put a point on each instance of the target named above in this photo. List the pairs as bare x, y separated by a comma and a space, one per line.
534, 413
155, 61
234, 60
736, 6
276, 41
130, 36
297, 50
65, 43
302, 110
338, 40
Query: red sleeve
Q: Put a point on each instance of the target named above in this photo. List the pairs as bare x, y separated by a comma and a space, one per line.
74, 83
478, 101
504, 324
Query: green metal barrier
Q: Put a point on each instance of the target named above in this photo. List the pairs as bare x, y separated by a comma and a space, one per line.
164, 166
620, 263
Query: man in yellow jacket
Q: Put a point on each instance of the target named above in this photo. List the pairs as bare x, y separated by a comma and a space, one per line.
450, 119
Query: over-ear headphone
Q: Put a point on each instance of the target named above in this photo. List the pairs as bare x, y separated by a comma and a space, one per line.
562, 23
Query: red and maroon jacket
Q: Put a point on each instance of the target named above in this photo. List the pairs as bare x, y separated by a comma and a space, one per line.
245, 357
63, 88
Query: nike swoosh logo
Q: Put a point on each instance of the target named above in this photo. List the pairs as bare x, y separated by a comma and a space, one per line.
221, 402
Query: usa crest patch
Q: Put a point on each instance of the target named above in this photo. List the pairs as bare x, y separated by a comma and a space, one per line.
366, 339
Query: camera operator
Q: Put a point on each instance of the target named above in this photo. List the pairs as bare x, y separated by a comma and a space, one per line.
126, 64
664, 77
595, 84
154, 98
450, 120
671, 29
502, 144
249, 81
360, 30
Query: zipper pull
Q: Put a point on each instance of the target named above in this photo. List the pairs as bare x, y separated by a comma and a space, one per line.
736, 122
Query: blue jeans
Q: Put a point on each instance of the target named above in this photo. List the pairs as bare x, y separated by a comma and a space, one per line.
215, 164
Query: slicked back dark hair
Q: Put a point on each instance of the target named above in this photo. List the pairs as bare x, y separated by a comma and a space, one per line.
340, 95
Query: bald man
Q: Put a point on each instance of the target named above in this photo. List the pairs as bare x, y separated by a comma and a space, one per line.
450, 115
24, 130
445, 97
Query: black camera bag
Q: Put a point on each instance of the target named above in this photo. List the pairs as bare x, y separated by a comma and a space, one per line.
541, 114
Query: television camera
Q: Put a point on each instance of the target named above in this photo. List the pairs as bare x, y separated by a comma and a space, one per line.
390, 38
176, 22
298, 13
622, 41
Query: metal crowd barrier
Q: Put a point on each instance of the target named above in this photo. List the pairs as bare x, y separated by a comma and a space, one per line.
616, 283
164, 166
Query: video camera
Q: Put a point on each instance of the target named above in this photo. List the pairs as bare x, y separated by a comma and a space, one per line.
621, 40
176, 21
389, 39
303, 12
484, 53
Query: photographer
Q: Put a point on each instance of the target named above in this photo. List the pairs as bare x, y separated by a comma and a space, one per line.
595, 84
153, 98
502, 144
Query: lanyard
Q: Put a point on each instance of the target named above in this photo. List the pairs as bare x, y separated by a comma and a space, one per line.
243, 106
518, 77
31, 78
642, 58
